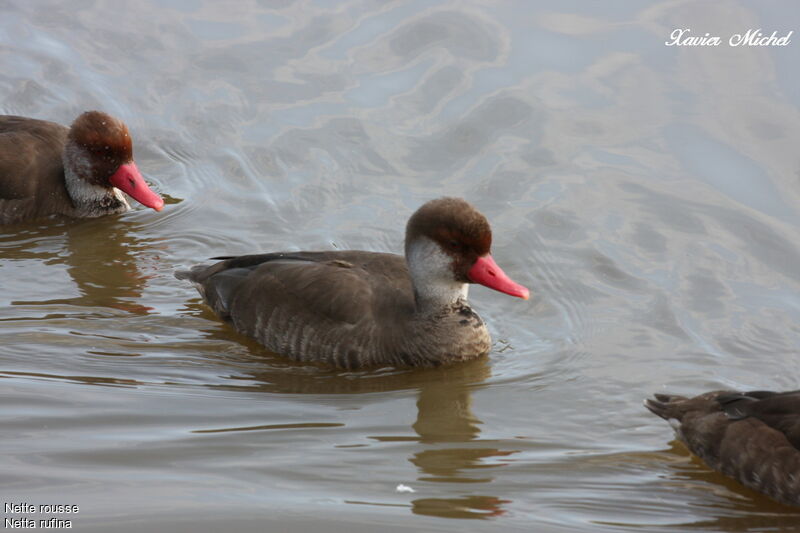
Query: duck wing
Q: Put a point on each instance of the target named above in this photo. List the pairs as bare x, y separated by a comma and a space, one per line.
311, 305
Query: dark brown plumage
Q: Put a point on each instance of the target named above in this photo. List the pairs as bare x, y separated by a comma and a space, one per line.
354, 309
48, 169
753, 437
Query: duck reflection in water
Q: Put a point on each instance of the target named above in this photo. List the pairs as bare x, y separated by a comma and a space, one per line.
731, 506
453, 451
103, 258
449, 449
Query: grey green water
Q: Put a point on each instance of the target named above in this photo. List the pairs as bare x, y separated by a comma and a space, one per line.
649, 195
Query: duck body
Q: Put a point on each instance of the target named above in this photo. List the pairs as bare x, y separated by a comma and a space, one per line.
753, 437
356, 309
351, 309
32, 183
49, 169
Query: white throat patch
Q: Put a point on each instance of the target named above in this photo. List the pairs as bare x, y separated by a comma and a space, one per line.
432, 274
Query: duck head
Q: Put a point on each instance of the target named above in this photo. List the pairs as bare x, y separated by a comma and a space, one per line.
447, 246
98, 157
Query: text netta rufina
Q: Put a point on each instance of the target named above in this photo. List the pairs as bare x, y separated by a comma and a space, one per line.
48, 169
354, 309
753, 437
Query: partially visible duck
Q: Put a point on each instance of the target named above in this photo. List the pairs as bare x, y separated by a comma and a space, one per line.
753, 437
48, 169
353, 309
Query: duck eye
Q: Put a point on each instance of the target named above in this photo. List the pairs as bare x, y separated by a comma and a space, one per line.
455, 244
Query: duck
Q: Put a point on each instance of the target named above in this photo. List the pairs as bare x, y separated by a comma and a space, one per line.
80, 172
354, 309
753, 437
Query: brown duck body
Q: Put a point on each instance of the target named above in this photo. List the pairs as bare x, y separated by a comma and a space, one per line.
32, 171
355, 309
49, 169
348, 309
753, 437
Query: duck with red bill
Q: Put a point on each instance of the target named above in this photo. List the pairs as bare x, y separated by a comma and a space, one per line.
357, 309
48, 169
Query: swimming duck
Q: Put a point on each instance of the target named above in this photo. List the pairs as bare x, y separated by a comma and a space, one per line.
753, 437
49, 169
356, 309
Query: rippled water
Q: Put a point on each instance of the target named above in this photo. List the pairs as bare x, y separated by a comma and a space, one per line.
648, 195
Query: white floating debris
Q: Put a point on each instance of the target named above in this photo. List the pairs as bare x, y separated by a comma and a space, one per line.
404, 488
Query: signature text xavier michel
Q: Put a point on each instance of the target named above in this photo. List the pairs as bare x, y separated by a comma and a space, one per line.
684, 37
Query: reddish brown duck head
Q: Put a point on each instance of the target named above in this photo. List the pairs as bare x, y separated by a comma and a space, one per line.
99, 153
447, 246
